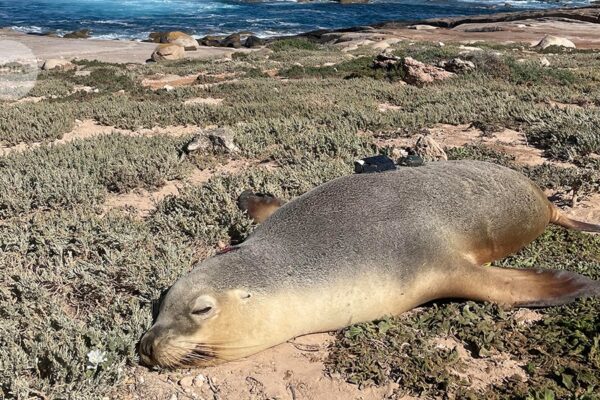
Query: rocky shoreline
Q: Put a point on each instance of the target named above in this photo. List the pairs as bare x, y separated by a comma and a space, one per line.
578, 25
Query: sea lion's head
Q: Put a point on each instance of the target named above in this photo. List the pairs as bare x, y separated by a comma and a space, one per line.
198, 325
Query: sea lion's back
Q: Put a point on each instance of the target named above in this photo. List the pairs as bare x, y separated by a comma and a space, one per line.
386, 216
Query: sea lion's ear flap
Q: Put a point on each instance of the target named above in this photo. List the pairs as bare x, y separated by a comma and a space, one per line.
242, 294
258, 206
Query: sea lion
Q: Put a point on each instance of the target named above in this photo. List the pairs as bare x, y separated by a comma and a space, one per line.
359, 248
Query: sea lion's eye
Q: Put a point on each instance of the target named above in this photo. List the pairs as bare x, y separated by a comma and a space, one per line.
202, 311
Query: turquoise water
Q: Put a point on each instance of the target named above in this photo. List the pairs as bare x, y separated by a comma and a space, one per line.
112, 19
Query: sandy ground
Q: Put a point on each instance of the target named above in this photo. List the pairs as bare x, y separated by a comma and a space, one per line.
113, 51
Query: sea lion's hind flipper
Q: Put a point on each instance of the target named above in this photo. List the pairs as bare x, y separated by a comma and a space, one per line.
258, 206
558, 218
528, 287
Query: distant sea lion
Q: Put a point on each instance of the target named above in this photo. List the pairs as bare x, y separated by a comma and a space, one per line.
361, 247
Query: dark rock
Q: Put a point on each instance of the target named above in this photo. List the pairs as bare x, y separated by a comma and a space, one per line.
386, 61
157, 37
212, 41
254, 41
352, 1
378, 163
233, 40
412, 160
457, 65
80, 34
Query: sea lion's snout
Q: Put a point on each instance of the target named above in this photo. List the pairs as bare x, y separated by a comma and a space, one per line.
149, 345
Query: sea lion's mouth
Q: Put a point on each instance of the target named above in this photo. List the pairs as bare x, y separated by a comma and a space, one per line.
199, 355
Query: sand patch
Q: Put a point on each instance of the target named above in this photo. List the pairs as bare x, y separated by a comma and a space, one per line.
159, 81
162, 81
527, 316
506, 140
292, 370
482, 372
385, 107
587, 210
89, 129
142, 202
210, 101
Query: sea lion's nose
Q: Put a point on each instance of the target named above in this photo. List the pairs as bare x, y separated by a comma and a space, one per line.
148, 346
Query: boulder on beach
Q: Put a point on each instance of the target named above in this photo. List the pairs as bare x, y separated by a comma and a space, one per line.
253, 41
180, 38
80, 34
234, 40
168, 52
211, 40
418, 73
58, 64
550, 40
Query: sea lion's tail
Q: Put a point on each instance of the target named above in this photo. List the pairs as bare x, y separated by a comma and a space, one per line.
524, 287
558, 218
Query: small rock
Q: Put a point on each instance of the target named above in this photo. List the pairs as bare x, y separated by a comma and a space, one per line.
429, 150
550, 40
58, 64
441, 44
386, 60
173, 397
186, 381
222, 140
457, 65
199, 380
168, 52
423, 27
168, 88
198, 143
418, 73
216, 139
544, 62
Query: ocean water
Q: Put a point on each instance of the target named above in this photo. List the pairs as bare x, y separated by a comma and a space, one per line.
135, 19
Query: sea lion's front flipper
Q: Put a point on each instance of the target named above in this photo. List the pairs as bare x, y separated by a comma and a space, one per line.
525, 287
258, 206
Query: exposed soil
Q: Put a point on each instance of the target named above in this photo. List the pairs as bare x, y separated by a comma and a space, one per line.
485, 371
142, 202
504, 140
89, 128
292, 370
